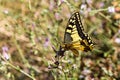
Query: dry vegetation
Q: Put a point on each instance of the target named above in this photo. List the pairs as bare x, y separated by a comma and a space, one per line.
30, 28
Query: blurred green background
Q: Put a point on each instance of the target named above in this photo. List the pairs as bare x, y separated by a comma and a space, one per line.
30, 28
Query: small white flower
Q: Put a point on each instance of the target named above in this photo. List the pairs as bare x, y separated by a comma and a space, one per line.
117, 40
6, 55
81, 76
69, 61
111, 9
74, 66
86, 71
119, 31
83, 7
5, 11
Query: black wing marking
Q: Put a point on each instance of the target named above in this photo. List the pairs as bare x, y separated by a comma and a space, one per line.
80, 29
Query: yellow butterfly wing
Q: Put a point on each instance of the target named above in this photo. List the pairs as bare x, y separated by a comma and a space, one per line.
75, 39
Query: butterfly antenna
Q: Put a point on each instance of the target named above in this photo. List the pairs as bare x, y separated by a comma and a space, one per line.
54, 49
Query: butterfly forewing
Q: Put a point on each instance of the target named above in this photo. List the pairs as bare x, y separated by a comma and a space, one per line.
71, 33
75, 38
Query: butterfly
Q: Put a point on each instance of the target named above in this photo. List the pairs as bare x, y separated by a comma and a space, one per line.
74, 38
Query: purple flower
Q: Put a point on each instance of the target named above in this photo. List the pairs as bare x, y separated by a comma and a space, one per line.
101, 4
5, 52
89, 1
76, 0
5, 48
52, 5
62, 1
33, 26
46, 44
57, 16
